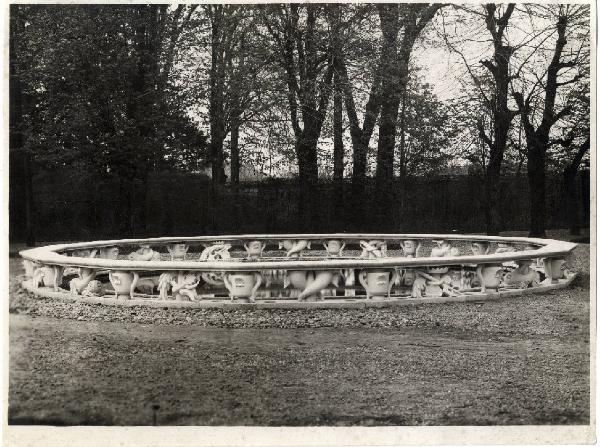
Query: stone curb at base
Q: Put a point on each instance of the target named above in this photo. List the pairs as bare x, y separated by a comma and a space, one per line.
293, 304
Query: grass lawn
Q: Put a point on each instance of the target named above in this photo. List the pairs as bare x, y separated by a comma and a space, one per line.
518, 360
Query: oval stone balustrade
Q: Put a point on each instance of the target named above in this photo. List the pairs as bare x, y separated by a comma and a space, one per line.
297, 270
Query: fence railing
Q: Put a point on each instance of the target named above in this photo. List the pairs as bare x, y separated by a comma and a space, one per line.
77, 206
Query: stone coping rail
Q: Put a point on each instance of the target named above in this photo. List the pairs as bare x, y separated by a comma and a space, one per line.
426, 267
49, 255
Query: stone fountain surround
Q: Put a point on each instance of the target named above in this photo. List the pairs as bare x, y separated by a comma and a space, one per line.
51, 256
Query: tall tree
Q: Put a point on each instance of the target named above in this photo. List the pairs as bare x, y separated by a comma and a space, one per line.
411, 19
350, 38
305, 56
538, 138
496, 22
100, 96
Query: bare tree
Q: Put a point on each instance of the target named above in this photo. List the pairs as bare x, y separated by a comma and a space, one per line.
538, 137
305, 56
411, 19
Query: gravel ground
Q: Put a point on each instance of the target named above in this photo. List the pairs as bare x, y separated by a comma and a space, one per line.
512, 361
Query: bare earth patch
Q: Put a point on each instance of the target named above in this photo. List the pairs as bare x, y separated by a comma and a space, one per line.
513, 361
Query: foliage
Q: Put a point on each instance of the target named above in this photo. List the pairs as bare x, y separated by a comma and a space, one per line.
93, 78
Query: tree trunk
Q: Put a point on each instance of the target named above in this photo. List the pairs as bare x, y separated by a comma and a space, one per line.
338, 152
216, 109
570, 187
536, 173
538, 139
403, 151
217, 159
308, 177
492, 193
502, 115
338, 131
235, 153
235, 174
572, 201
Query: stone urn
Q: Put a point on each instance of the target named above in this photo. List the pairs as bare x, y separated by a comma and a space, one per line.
554, 269
490, 276
123, 284
178, 251
377, 283
242, 285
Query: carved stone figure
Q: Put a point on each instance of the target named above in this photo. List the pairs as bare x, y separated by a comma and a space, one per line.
85, 253
316, 281
30, 267
77, 285
373, 249
377, 283
505, 247
538, 262
216, 252
447, 286
164, 283
297, 279
178, 251
419, 287
184, 288
455, 279
444, 248
44, 276
94, 288
255, 248
242, 285
410, 247
523, 276
144, 253
109, 252
442, 285
408, 277
480, 248
294, 248
468, 279
147, 284
349, 281
334, 247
